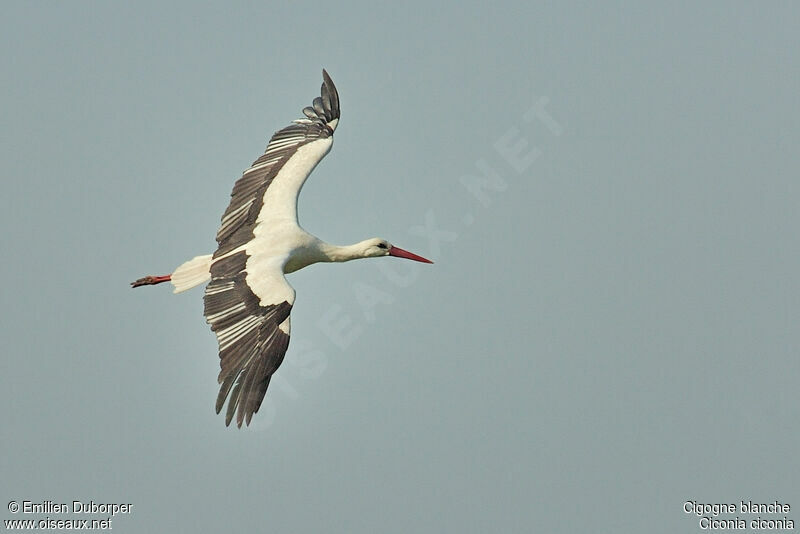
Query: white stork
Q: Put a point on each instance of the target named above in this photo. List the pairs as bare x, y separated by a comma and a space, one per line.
248, 300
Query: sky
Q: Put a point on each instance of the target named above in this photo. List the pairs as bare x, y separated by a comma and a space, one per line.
609, 331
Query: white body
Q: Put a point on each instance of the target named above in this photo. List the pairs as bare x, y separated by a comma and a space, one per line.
248, 300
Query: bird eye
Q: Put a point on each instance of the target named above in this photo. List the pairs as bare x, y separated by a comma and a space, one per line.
381, 245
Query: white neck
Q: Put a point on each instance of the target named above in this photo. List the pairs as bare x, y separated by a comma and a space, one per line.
320, 251
338, 254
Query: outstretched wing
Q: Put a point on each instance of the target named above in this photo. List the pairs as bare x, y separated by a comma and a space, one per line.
250, 316
253, 333
291, 155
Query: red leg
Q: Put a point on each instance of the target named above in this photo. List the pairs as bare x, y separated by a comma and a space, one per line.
151, 280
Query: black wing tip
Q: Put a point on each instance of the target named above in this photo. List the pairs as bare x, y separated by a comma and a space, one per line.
330, 96
326, 78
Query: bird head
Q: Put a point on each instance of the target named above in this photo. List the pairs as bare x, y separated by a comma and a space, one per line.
377, 247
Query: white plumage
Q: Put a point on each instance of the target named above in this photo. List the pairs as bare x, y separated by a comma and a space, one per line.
248, 299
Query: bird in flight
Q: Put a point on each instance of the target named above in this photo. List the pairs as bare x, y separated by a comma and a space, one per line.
248, 300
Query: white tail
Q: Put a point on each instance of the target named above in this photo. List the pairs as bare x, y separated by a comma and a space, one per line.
192, 273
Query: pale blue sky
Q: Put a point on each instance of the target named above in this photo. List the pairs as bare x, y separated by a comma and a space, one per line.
608, 331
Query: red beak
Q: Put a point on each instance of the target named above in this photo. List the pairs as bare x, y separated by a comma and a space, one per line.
398, 252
